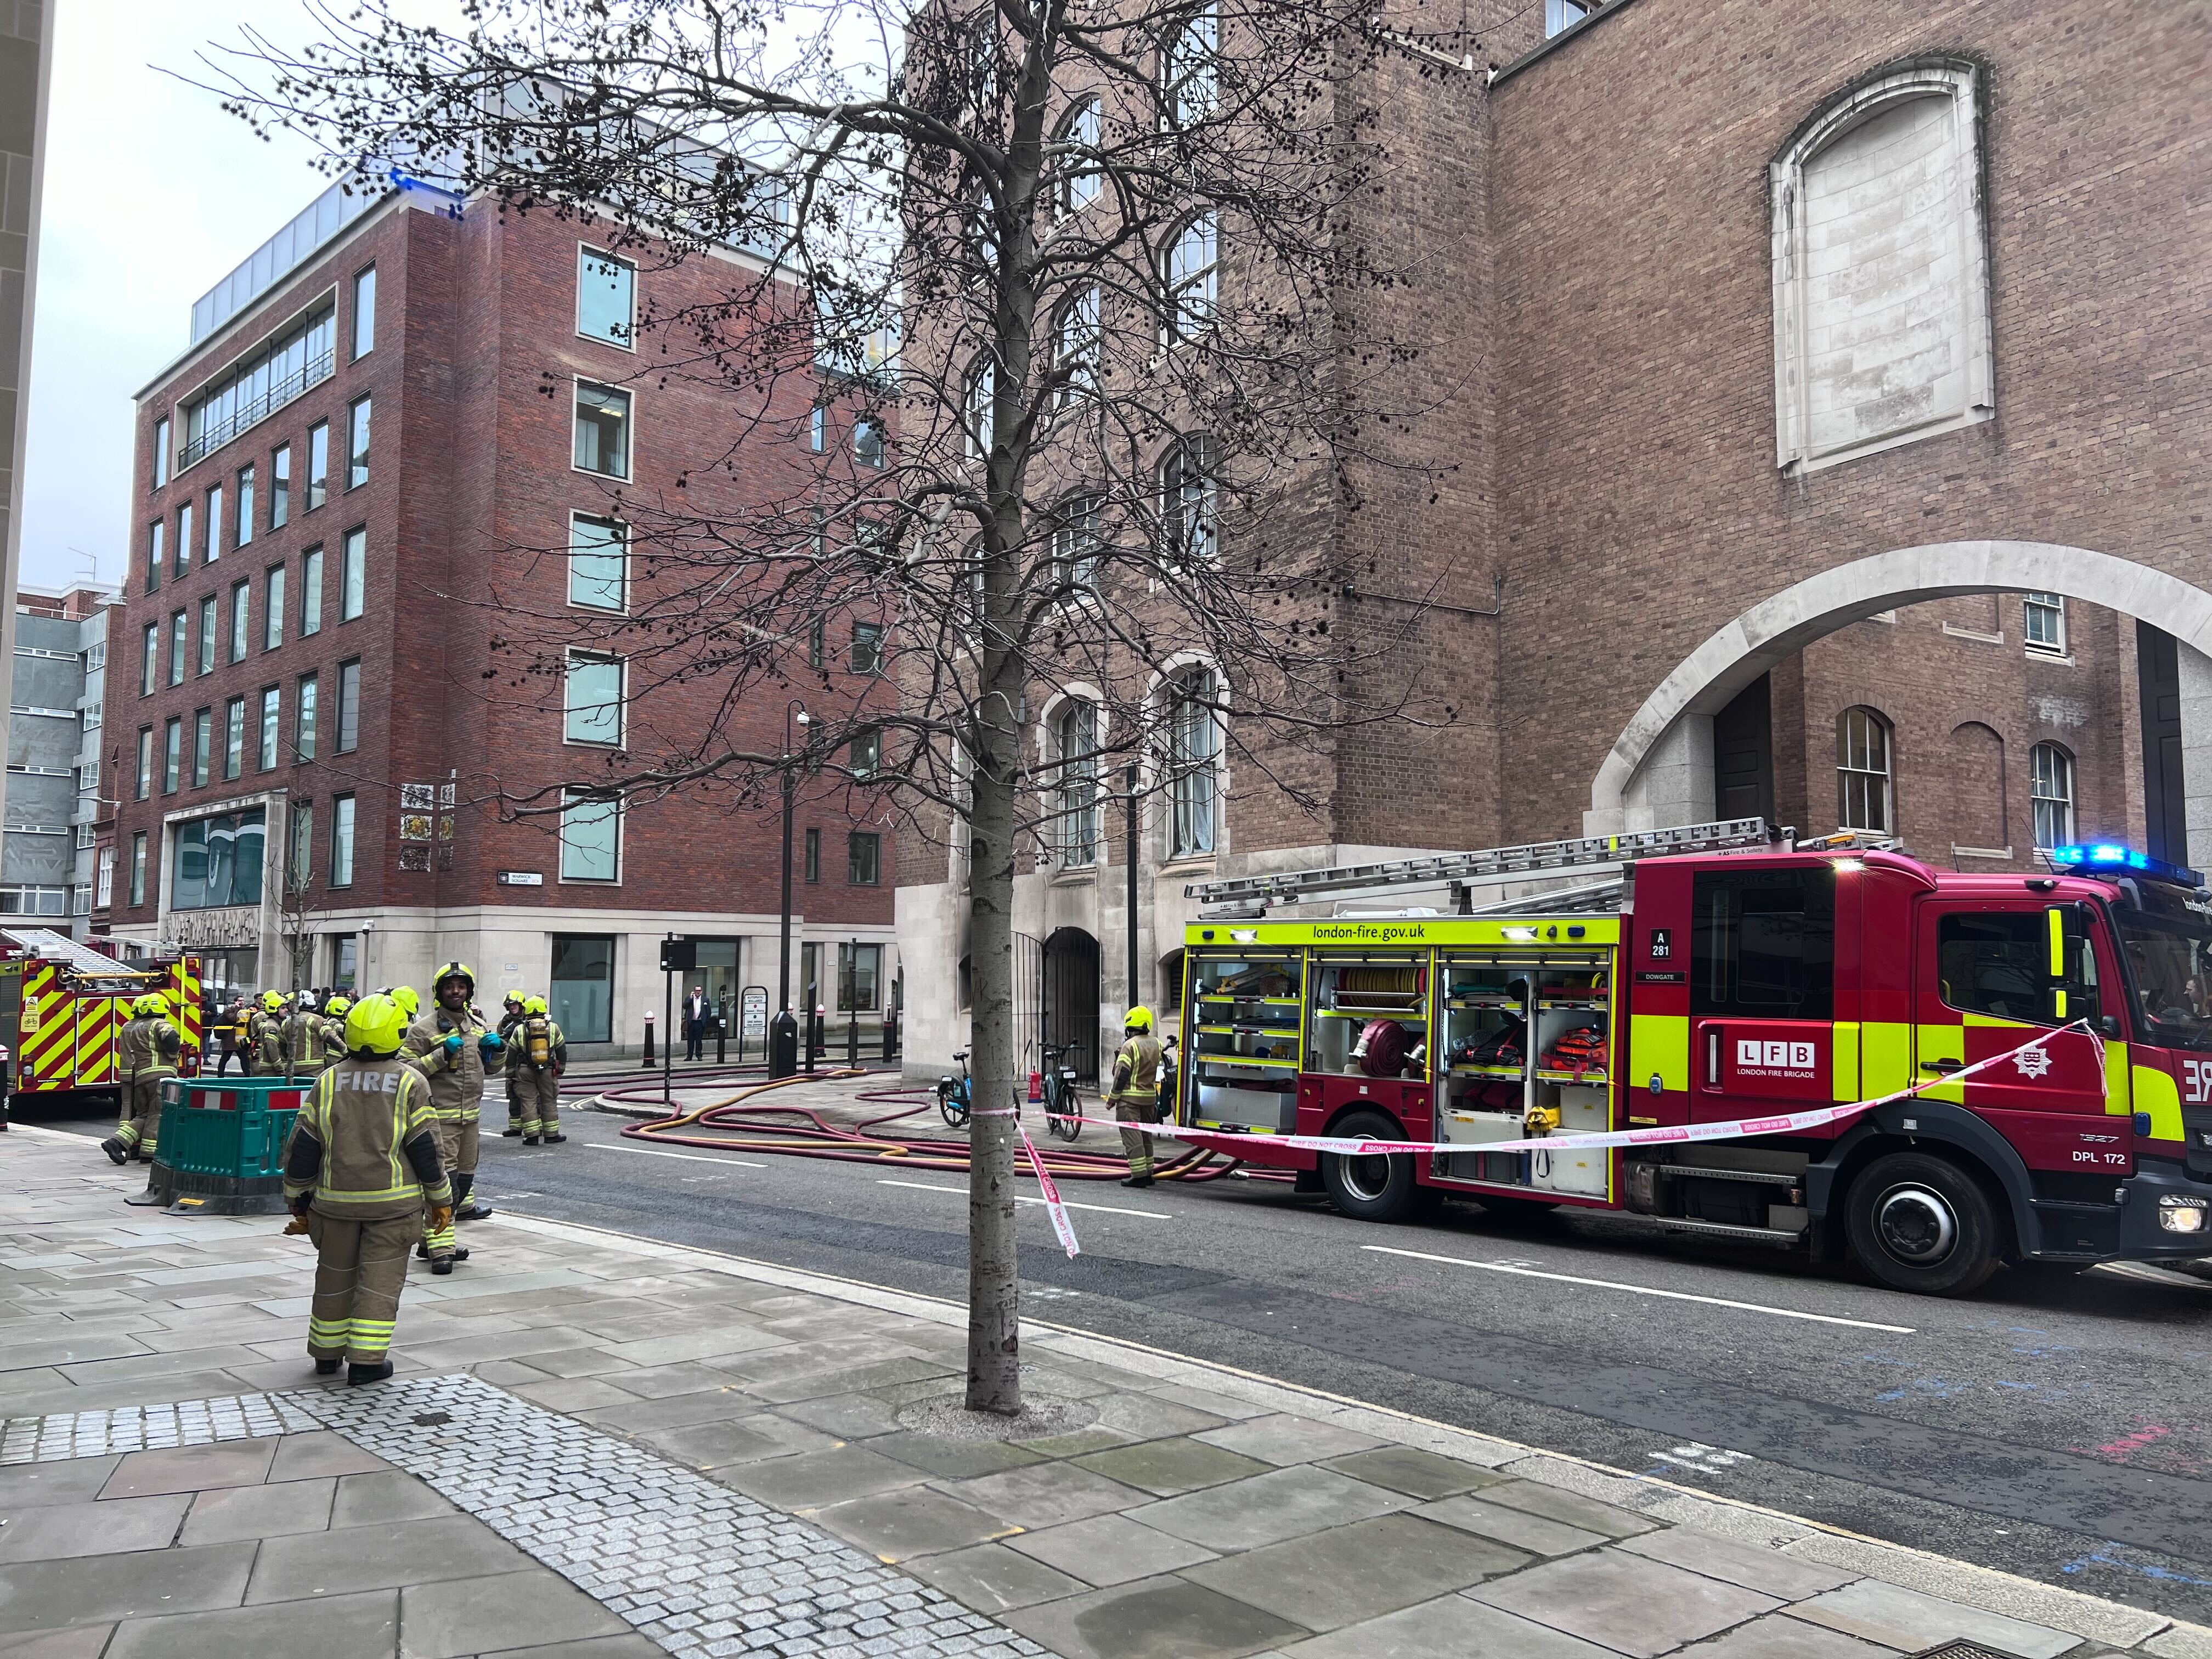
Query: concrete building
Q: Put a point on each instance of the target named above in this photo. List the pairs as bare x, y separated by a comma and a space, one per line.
27, 66
1823, 421
49, 844
341, 756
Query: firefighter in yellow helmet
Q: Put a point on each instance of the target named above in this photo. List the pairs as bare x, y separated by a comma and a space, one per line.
1136, 1096
336, 1006
146, 1053
266, 1036
511, 1015
362, 1164
307, 1039
451, 1047
537, 1055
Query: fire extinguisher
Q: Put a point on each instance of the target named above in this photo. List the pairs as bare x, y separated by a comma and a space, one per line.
1037, 1087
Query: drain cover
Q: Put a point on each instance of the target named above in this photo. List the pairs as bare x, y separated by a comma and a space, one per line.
432, 1419
1964, 1650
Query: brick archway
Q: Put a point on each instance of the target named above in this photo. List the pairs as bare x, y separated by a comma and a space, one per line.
1660, 770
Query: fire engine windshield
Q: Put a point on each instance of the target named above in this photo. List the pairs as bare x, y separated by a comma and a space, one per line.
2166, 936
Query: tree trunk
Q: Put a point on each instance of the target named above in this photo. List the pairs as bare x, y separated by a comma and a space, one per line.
994, 1380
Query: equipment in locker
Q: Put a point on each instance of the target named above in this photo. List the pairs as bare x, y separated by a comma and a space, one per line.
1386, 1048
1369, 988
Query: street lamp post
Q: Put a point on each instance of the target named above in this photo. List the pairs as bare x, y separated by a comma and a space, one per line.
782, 1046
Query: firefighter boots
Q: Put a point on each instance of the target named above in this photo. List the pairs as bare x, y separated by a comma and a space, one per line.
115, 1150
357, 1374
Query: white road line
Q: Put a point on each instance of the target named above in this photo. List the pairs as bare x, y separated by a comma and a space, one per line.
695, 1157
1643, 1290
962, 1191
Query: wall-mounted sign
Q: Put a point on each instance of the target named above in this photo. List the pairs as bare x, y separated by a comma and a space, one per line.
522, 878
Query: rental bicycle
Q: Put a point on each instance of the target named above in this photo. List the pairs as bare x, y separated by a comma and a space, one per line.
1063, 1105
953, 1092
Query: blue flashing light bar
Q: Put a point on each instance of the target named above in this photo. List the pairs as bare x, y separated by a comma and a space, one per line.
2108, 858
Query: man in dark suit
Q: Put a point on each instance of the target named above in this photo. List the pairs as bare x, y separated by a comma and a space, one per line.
698, 1014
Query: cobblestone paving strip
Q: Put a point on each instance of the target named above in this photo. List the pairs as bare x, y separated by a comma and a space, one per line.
147, 1428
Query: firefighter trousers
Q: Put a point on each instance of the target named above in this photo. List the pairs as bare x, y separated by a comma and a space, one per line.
360, 1268
538, 1088
1136, 1145
140, 1124
440, 1241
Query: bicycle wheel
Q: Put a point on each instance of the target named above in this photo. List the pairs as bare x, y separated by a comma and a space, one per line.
1063, 1116
954, 1105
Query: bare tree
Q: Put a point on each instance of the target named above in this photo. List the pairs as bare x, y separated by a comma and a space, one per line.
1052, 372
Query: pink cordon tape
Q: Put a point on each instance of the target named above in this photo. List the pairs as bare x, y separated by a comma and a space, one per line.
1061, 1226
1786, 1123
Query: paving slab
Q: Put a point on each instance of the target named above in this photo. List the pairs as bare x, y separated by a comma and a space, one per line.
362, 1627
191, 1468
639, 1417
910, 1522
1044, 1494
1892, 1616
305, 1456
386, 1556
1167, 1467
847, 1416
1417, 1473
35, 1594
1735, 1563
814, 1480
1627, 1602
235, 1513
1777, 1636
727, 1339
1519, 1528
77, 1642
1269, 1508
991, 1578
596, 1647
1149, 1416
1347, 1574
72, 1480
366, 1500
1283, 1440
1449, 1627
747, 1439
54, 1531
660, 1382
955, 1459
1153, 1618
1110, 1549
1568, 1508
531, 1608
571, 1394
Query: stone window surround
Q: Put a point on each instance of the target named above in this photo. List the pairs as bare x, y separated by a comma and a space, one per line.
1961, 82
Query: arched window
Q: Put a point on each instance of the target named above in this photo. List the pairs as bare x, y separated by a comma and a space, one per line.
1881, 332
1862, 771
1191, 273
1190, 500
1075, 757
1190, 69
1078, 541
2051, 790
1076, 181
982, 389
1077, 346
1194, 756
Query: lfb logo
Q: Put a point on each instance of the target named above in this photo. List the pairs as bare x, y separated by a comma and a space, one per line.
1775, 1056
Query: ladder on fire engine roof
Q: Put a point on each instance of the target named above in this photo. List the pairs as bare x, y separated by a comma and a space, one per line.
1533, 859
80, 959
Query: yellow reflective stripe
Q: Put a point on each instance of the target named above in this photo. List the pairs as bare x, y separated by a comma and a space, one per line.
1945, 1041
2119, 1097
1986, 1022
1844, 1062
1660, 1043
1885, 1056
2155, 1093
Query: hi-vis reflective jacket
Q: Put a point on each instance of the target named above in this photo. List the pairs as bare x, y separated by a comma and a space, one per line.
268, 1044
1137, 1070
457, 1081
148, 1049
307, 1041
364, 1147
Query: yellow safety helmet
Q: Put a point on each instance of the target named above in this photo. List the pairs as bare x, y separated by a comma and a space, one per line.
1137, 1019
272, 1000
149, 1006
375, 1026
404, 995
338, 1006
453, 971
534, 1005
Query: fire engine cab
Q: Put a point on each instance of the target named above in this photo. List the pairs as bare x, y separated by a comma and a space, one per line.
1727, 973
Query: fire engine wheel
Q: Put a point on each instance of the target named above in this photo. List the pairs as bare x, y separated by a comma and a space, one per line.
1922, 1224
1374, 1189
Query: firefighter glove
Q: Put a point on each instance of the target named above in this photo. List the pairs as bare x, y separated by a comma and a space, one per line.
441, 1216
452, 1045
488, 1044
298, 1224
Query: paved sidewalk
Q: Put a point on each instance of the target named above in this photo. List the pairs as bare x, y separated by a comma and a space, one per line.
602, 1448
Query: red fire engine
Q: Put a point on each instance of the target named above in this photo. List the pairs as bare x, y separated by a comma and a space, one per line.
1726, 975
64, 1004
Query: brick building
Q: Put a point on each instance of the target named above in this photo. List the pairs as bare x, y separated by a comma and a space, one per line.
391, 476
1825, 404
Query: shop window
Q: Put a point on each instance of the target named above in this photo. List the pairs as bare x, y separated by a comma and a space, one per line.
591, 837
1762, 944
2050, 791
2046, 625
1863, 778
580, 992
218, 861
1193, 751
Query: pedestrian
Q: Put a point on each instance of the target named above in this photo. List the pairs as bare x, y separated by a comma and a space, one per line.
1136, 1096
511, 1015
538, 1053
267, 1036
698, 1013
226, 1034
361, 1166
450, 1047
306, 1040
146, 1054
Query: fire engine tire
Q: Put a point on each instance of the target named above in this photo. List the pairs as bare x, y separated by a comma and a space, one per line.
1377, 1188
1920, 1224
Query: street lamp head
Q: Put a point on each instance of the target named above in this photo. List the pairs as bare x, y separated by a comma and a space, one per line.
803, 717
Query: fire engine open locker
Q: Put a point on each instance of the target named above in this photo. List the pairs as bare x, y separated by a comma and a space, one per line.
1724, 977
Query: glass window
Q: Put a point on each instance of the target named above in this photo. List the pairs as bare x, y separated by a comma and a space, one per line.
863, 855
364, 312
357, 443
303, 718
591, 837
202, 746
864, 754
183, 561
982, 394
602, 429
145, 762
311, 591
1075, 746
1998, 963
813, 855
1862, 770
1763, 943
139, 867
218, 861
318, 464
342, 842
605, 296
592, 710
241, 618
272, 709
156, 540
214, 524
300, 854
818, 643
348, 706
173, 753
2046, 625
1078, 543
868, 648
1561, 14
859, 978
280, 486
1194, 744
177, 647
244, 532
1193, 275
260, 386
352, 573
2051, 789
1190, 72
149, 669
598, 564
817, 430
868, 442
104, 895
160, 459
1078, 181
1190, 499
233, 740
208, 632
1077, 345
581, 995
272, 608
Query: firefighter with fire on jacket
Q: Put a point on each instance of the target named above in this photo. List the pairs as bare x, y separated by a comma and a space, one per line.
359, 1169
146, 1053
537, 1055
451, 1046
